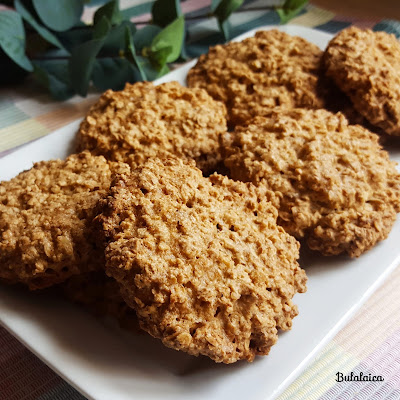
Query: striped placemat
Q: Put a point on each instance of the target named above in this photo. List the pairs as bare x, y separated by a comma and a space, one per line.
369, 343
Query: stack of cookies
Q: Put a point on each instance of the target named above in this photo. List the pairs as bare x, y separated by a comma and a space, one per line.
183, 207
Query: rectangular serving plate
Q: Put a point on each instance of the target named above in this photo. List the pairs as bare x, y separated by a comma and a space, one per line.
104, 362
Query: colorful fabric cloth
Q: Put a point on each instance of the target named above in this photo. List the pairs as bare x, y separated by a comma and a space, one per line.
369, 343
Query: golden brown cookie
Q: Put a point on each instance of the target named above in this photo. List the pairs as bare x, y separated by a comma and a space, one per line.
268, 70
45, 219
201, 260
333, 183
145, 121
366, 66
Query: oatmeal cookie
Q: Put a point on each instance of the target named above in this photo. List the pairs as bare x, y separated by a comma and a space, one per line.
145, 121
268, 70
334, 184
45, 219
366, 66
201, 260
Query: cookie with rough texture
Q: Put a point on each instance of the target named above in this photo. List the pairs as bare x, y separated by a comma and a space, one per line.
366, 66
334, 184
45, 219
146, 121
268, 70
201, 260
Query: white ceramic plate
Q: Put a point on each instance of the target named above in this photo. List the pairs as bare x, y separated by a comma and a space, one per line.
104, 363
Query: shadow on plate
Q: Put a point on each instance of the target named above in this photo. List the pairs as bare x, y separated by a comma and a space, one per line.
100, 345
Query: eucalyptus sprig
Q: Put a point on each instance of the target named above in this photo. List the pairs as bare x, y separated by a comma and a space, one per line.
49, 40
290, 9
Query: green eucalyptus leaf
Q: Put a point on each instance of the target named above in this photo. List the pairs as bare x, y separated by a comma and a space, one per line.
83, 58
53, 74
163, 71
225, 8
226, 29
113, 73
290, 9
40, 29
143, 37
12, 38
110, 11
170, 36
293, 4
115, 42
214, 5
131, 54
153, 72
165, 11
160, 57
75, 37
60, 15
101, 29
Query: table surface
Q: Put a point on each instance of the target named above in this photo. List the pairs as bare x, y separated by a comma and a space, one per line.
369, 343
